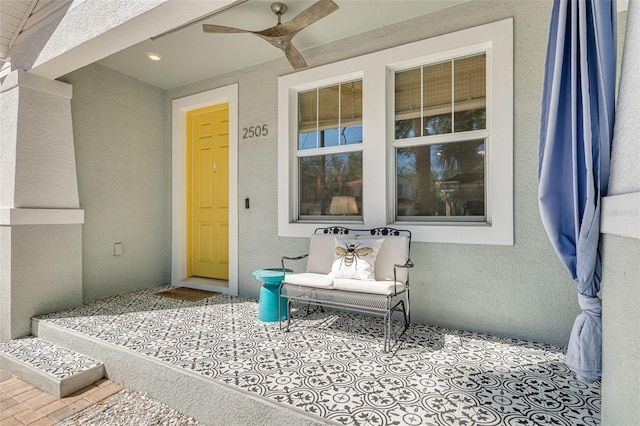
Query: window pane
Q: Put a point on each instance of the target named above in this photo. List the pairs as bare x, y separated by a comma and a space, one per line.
408, 104
441, 180
470, 93
328, 108
437, 99
351, 113
330, 116
426, 106
308, 119
331, 185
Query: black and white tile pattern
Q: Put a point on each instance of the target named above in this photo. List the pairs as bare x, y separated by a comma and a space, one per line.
50, 359
331, 364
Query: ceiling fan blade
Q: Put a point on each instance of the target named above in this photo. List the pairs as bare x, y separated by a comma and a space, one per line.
294, 56
208, 28
313, 13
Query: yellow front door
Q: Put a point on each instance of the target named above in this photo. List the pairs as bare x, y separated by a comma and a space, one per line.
208, 192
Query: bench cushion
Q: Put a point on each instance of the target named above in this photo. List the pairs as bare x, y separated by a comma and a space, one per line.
394, 250
321, 252
309, 279
364, 286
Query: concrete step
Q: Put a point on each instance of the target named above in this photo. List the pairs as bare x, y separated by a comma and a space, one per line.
49, 367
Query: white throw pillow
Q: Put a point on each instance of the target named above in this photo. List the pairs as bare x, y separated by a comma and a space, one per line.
355, 259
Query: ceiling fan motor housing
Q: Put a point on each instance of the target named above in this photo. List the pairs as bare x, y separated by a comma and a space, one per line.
279, 9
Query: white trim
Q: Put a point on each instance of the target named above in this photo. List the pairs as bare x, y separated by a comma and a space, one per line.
376, 70
21, 78
178, 185
620, 215
50, 12
11, 217
622, 5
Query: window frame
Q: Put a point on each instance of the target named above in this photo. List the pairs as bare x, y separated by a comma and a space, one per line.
322, 151
377, 73
452, 137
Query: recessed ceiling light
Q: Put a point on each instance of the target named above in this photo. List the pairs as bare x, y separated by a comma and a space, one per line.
154, 56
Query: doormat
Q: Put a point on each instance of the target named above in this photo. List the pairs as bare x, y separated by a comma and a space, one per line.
188, 294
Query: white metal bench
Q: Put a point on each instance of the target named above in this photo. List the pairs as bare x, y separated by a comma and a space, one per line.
384, 293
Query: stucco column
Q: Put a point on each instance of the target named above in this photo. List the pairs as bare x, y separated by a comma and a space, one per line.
621, 245
40, 218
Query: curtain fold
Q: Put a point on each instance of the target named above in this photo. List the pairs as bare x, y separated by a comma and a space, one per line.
576, 129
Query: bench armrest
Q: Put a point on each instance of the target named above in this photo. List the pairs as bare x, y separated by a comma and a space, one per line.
283, 258
407, 264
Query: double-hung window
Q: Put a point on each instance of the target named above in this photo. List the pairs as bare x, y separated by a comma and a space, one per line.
329, 152
419, 136
440, 129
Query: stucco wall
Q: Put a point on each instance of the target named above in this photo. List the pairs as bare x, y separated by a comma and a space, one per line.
625, 152
9, 132
43, 260
621, 269
37, 168
5, 283
122, 170
521, 290
39, 191
621, 331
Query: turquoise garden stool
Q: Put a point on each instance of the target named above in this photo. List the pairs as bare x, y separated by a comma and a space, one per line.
268, 306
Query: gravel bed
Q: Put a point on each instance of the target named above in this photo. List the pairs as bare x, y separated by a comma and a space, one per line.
129, 408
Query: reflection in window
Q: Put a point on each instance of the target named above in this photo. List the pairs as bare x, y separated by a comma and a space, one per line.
448, 97
330, 116
331, 185
441, 180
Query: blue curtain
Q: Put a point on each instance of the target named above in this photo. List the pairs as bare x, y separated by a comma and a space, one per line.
576, 129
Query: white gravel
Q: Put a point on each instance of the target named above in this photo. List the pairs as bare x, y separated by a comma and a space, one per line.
129, 408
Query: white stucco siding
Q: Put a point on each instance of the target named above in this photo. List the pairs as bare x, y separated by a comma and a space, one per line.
42, 260
621, 251
123, 175
620, 331
625, 152
5, 283
37, 144
8, 130
46, 153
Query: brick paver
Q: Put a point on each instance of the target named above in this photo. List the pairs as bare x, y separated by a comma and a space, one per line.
22, 404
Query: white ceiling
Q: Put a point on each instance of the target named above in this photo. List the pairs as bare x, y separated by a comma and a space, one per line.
190, 55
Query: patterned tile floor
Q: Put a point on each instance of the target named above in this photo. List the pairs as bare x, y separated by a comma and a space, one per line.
331, 364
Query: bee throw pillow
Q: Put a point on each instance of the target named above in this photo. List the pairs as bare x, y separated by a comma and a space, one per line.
355, 259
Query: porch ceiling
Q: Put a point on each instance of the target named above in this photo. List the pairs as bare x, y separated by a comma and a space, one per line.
190, 55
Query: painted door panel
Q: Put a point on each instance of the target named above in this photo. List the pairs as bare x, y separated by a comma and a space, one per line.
208, 192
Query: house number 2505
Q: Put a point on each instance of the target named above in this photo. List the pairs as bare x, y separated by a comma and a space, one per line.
255, 131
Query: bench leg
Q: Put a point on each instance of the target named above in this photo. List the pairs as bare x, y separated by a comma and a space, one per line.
408, 309
288, 314
387, 323
406, 314
387, 331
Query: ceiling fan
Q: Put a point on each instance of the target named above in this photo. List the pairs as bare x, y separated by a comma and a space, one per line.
280, 35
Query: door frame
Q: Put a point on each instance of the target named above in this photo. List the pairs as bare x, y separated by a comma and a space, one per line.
227, 94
